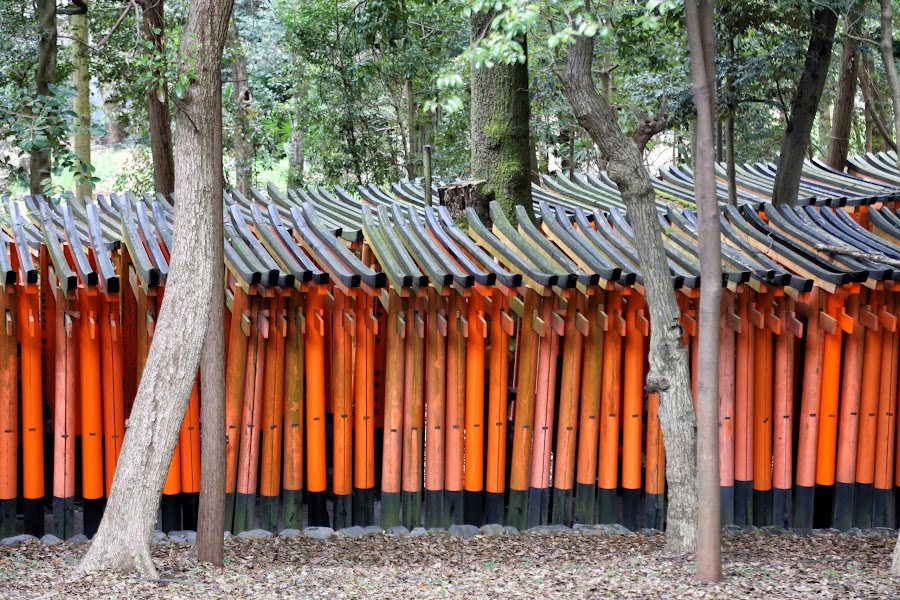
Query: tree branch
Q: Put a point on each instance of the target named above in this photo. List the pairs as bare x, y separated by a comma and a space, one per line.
78, 7
854, 253
116, 25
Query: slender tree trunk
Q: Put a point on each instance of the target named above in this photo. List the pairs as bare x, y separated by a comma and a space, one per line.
729, 127
82, 76
123, 540
845, 94
702, 44
871, 103
39, 169
806, 103
211, 515
159, 118
501, 116
241, 98
115, 128
411, 137
890, 69
669, 375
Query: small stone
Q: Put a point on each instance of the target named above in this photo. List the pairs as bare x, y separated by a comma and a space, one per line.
17, 540
854, 532
318, 533
436, 530
493, 530
255, 534
649, 531
803, 532
750, 529
227, 535
464, 531
183, 537
83, 539
373, 530
881, 532
511, 531
823, 532
397, 531
50, 540
548, 529
586, 529
731, 529
289, 533
614, 529
417, 532
351, 532
158, 538
773, 530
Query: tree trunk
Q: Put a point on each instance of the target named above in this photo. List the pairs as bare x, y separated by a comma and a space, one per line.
296, 157
500, 112
123, 540
411, 138
211, 516
82, 77
890, 69
158, 114
873, 116
39, 169
115, 128
669, 375
806, 102
845, 94
702, 43
240, 104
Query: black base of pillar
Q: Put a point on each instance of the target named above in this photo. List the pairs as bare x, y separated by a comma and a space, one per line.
631, 504
585, 501
434, 509
318, 511
268, 513
863, 501
363, 506
517, 515
93, 514
743, 502
493, 508
293, 509
390, 509
843, 505
190, 506
229, 512
823, 506
883, 508
762, 507
244, 513
655, 511
33, 510
343, 511
63, 517
538, 506
803, 506
782, 507
606, 506
411, 509
473, 508
726, 502
8, 518
561, 513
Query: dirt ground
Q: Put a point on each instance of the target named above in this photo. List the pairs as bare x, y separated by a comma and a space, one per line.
545, 565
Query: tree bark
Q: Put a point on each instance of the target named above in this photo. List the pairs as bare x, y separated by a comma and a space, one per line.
82, 77
890, 68
123, 540
411, 137
159, 118
501, 115
871, 108
845, 94
806, 102
241, 98
39, 168
211, 515
669, 375
702, 44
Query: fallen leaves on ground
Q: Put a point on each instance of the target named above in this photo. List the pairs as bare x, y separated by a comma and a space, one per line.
564, 565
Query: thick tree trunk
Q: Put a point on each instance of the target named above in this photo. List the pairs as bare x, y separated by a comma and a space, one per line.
890, 69
39, 169
669, 375
702, 44
82, 77
211, 516
115, 128
123, 540
240, 104
501, 110
157, 102
806, 103
845, 94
